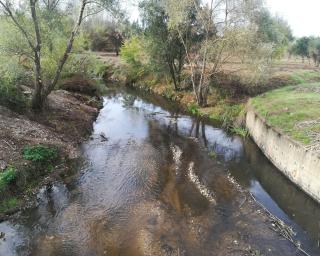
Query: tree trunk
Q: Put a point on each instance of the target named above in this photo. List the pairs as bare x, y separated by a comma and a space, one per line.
173, 76
37, 99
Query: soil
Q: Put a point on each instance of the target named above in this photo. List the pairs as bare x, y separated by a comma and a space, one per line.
64, 123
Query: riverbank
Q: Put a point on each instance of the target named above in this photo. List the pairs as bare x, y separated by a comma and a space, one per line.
285, 124
38, 148
228, 95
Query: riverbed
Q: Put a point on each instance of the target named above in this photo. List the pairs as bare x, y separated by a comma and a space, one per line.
146, 185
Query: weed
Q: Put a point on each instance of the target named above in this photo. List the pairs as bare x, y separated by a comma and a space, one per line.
40, 154
230, 113
194, 109
212, 154
7, 177
243, 132
9, 204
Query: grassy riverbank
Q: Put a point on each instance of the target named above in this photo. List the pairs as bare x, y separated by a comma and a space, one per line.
228, 107
294, 110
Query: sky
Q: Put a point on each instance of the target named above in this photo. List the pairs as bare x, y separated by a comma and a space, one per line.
302, 15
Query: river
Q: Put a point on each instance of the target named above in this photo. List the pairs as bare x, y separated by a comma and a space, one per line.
152, 189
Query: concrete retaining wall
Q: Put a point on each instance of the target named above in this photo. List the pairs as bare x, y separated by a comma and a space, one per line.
302, 167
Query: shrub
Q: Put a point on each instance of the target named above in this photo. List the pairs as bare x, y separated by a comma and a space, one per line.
230, 113
133, 54
40, 154
7, 177
212, 155
11, 75
11, 97
243, 132
194, 109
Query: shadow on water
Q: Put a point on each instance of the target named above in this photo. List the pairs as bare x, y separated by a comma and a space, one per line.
151, 189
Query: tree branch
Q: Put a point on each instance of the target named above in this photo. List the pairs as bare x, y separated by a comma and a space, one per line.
67, 50
17, 24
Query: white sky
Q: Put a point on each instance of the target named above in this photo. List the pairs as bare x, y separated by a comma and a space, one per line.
302, 15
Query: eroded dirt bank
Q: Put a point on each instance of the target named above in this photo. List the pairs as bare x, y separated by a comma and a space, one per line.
64, 123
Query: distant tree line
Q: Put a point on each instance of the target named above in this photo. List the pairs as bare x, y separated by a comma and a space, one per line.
307, 48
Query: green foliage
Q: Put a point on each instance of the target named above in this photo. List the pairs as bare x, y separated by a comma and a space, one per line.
230, 113
85, 64
194, 109
301, 47
133, 54
9, 204
167, 54
40, 154
243, 132
212, 154
274, 30
11, 96
11, 74
8, 176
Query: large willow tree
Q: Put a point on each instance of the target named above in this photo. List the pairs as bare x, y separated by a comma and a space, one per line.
31, 17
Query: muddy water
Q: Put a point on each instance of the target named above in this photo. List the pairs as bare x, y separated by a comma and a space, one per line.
151, 189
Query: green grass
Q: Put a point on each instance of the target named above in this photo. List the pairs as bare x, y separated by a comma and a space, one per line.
243, 132
305, 76
286, 107
9, 204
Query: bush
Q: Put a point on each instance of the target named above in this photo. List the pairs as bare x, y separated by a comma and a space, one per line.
11, 97
12, 74
40, 154
194, 109
8, 176
230, 114
84, 64
133, 54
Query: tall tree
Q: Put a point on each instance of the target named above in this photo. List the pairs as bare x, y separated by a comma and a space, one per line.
221, 27
165, 47
34, 37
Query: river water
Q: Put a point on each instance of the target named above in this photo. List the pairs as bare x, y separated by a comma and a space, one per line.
152, 189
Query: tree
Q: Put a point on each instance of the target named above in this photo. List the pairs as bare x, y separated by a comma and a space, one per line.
301, 47
273, 30
29, 22
218, 31
166, 51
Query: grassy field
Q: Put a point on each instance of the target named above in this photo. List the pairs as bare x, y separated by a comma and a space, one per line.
295, 110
